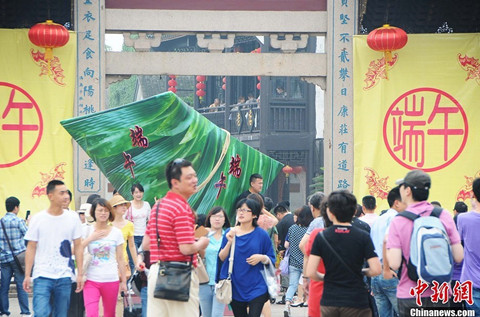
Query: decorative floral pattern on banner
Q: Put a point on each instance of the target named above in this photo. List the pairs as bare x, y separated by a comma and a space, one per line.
471, 66
466, 191
58, 172
53, 69
377, 186
377, 71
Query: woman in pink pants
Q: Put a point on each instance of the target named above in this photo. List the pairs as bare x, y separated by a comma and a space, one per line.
105, 244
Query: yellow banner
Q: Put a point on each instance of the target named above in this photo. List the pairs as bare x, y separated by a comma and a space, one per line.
420, 112
34, 96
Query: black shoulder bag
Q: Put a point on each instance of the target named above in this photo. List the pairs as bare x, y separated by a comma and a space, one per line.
19, 258
371, 300
173, 278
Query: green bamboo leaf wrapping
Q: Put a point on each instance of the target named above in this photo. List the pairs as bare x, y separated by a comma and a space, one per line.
174, 130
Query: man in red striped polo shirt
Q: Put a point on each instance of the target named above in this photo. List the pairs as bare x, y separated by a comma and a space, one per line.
176, 222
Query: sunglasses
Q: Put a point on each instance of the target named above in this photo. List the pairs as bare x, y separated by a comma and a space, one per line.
175, 163
178, 161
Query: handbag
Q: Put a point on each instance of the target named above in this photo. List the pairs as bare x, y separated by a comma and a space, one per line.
201, 271
284, 263
173, 278
19, 258
223, 289
371, 299
271, 279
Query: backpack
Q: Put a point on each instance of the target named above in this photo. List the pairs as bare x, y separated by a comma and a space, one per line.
431, 256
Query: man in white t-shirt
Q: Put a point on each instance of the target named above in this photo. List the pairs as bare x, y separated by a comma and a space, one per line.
50, 236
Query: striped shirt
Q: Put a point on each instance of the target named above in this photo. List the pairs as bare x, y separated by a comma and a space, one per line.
176, 223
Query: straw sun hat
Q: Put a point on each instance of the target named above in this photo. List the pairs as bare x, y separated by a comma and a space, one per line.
118, 200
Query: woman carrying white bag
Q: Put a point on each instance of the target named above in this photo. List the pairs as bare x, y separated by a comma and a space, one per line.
253, 249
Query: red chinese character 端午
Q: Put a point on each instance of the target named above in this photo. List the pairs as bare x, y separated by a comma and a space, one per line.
20, 126
129, 163
138, 139
420, 121
221, 184
235, 169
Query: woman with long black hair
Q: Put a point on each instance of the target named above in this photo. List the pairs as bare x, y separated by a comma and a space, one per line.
252, 250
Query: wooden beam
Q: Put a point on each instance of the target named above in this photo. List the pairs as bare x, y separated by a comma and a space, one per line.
198, 21
235, 5
215, 64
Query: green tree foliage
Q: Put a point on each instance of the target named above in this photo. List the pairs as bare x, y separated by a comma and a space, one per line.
122, 92
318, 182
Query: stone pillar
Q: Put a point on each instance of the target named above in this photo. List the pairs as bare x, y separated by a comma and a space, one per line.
89, 98
342, 25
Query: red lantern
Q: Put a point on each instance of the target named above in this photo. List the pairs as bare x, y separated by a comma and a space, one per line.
172, 83
48, 35
224, 81
259, 86
297, 169
200, 86
387, 39
287, 169
259, 78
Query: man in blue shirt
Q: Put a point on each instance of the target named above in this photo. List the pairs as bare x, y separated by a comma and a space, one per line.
384, 286
15, 228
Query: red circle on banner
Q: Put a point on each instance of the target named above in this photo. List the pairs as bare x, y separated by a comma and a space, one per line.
20, 127
416, 120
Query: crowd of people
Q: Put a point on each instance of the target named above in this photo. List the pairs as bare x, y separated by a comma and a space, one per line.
338, 258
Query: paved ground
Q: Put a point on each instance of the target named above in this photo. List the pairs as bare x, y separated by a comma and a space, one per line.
277, 310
